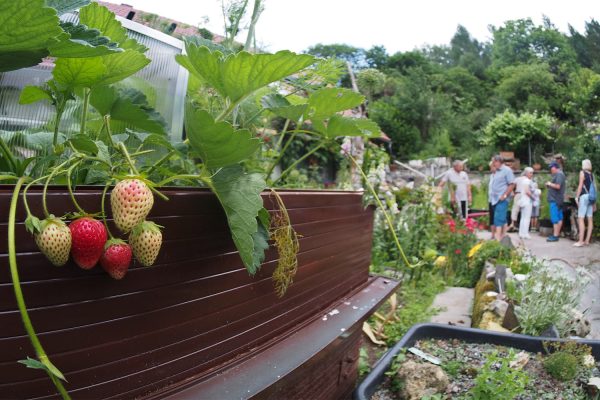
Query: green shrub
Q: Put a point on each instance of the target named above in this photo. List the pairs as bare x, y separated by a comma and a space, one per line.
561, 365
490, 250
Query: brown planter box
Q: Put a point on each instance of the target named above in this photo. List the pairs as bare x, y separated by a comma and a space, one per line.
195, 318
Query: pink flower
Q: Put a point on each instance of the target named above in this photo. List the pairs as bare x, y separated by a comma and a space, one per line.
471, 224
452, 225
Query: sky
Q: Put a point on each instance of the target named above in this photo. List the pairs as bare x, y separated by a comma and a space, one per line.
398, 25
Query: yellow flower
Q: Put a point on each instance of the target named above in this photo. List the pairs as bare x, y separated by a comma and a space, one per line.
440, 261
475, 249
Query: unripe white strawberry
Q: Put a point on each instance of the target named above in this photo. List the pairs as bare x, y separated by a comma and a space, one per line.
54, 240
131, 200
145, 240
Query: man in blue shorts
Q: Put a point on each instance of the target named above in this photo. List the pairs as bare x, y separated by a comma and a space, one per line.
556, 197
500, 190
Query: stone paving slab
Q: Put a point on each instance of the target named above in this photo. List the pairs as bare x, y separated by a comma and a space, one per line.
455, 304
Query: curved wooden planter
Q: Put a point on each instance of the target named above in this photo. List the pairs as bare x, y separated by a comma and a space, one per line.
195, 325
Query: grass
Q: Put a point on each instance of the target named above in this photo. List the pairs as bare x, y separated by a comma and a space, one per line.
415, 302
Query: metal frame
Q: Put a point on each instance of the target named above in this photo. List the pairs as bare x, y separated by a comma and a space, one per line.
182, 75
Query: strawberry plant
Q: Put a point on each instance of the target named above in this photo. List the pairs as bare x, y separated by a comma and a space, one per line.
91, 59
121, 141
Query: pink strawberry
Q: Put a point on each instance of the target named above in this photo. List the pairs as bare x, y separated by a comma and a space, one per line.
131, 200
54, 240
116, 258
89, 237
145, 240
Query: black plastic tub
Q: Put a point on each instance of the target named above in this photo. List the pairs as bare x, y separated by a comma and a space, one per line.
532, 344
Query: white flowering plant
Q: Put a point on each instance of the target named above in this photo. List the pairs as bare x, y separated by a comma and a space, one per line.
547, 297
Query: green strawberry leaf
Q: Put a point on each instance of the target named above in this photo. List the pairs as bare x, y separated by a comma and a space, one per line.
261, 237
218, 143
129, 106
32, 94
13, 60
236, 76
325, 102
122, 65
264, 218
65, 6
79, 41
281, 107
343, 126
261, 243
79, 72
84, 144
99, 17
159, 141
103, 152
239, 194
93, 71
26, 28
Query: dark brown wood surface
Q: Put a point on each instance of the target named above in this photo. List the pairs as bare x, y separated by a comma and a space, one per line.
191, 314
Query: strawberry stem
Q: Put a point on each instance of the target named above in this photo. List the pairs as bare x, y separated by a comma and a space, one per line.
25, 203
51, 370
110, 235
108, 131
160, 162
132, 167
70, 189
176, 177
54, 172
385, 213
86, 102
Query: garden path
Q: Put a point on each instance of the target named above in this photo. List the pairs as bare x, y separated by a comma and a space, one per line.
567, 257
455, 305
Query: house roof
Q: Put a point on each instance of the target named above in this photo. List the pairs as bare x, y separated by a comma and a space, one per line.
156, 21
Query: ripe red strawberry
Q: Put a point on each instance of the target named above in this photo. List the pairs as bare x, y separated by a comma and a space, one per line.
116, 258
89, 236
131, 200
54, 240
145, 240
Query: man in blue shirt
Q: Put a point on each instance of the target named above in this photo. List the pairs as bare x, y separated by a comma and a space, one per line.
501, 187
556, 197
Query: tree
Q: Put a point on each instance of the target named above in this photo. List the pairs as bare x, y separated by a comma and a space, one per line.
354, 55
414, 113
510, 130
587, 47
376, 57
521, 42
370, 82
529, 87
403, 62
584, 95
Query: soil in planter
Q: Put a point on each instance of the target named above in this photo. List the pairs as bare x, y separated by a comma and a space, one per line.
461, 361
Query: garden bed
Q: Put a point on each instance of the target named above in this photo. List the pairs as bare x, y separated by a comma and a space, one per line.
195, 313
463, 353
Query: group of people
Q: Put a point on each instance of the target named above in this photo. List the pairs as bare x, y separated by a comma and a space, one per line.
526, 198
